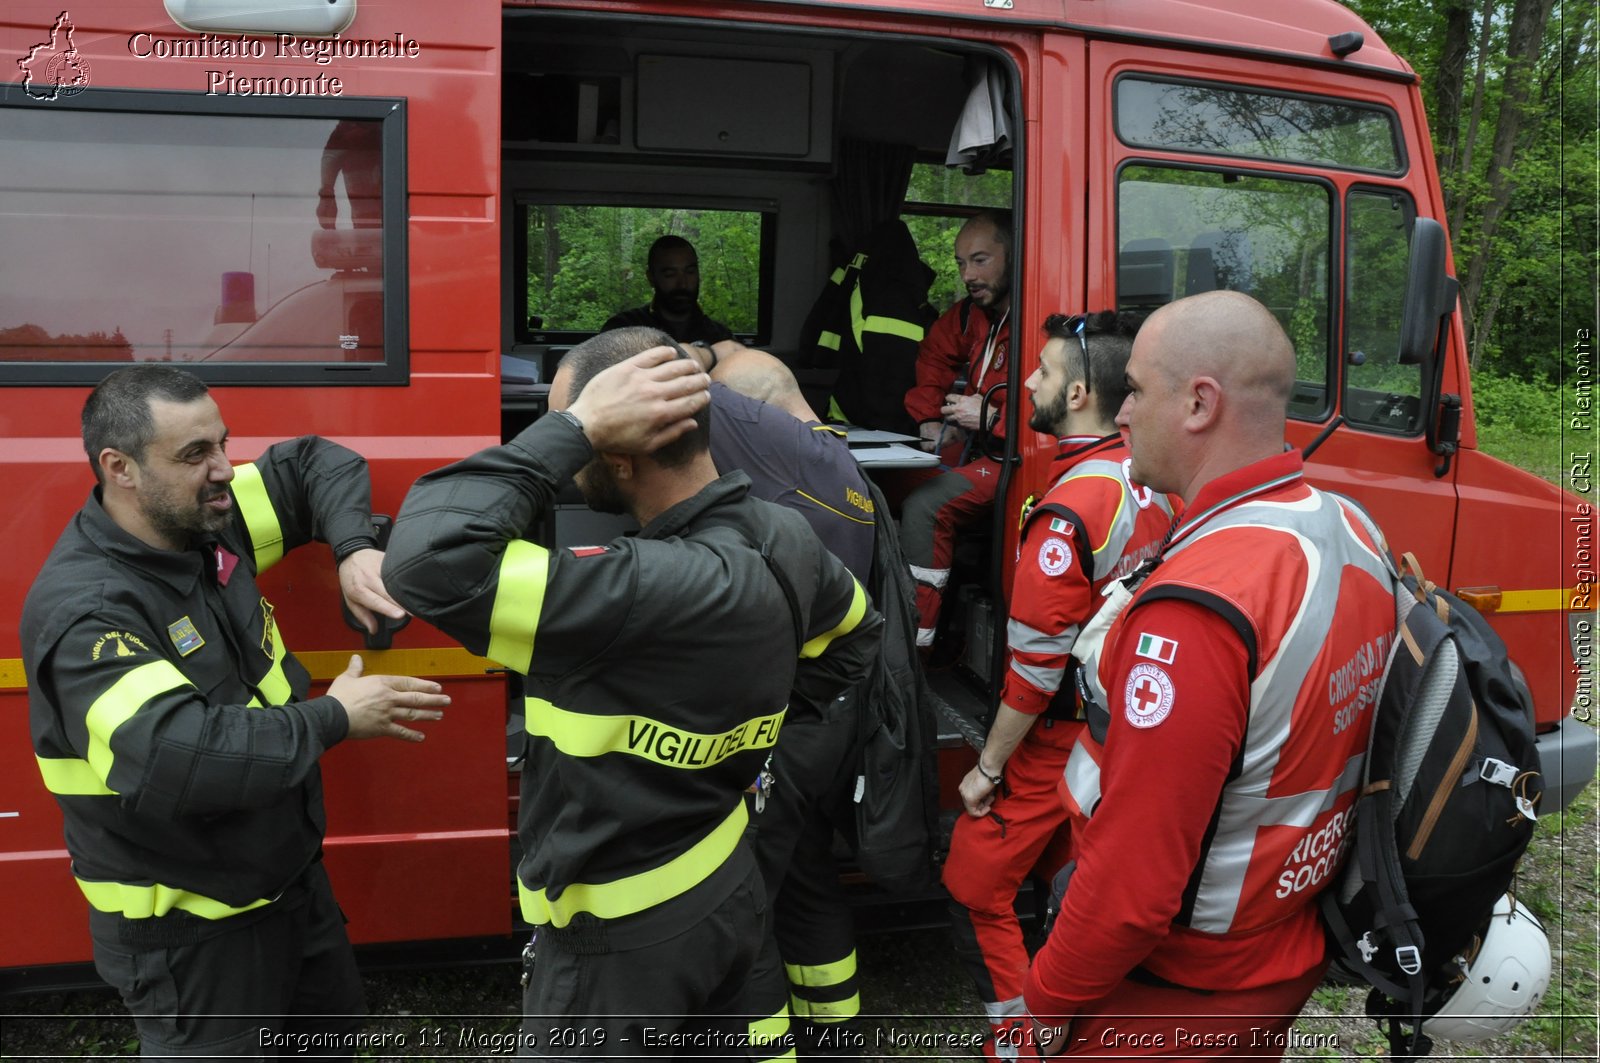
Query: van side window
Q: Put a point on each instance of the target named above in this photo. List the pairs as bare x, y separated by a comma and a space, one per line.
1254, 123
1379, 392
938, 200
254, 240
578, 264
1184, 231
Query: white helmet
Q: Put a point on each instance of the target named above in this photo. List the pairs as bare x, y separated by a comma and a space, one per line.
1501, 983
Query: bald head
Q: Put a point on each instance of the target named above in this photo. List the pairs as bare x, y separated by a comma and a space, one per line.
761, 376
1233, 339
1211, 377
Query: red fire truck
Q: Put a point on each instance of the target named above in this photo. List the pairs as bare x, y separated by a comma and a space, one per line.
376, 220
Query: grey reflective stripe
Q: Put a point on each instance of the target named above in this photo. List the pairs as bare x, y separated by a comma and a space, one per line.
1024, 639
1037, 677
1120, 532
933, 577
999, 1011
1082, 776
1275, 691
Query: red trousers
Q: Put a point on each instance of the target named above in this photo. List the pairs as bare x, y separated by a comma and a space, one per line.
991, 856
1137, 1020
930, 517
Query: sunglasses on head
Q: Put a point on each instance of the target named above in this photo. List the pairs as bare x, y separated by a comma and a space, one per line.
1074, 324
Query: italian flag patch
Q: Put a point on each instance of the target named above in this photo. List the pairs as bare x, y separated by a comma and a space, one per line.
1157, 648
1059, 525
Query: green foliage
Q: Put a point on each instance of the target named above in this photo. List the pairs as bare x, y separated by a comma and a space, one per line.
587, 263
933, 187
1519, 422
1541, 265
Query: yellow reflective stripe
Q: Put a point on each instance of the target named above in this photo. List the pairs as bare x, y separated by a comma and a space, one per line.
830, 340
274, 684
582, 734
635, 893
266, 534
826, 1010
143, 902
1540, 601
857, 315
770, 1032
852, 616
518, 600
893, 326
837, 276
822, 974
71, 777
126, 696
831, 429
424, 662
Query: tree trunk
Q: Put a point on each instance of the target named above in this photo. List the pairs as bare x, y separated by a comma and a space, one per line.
1449, 83
1523, 45
1460, 178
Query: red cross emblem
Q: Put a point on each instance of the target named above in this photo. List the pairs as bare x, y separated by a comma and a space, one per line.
1148, 695
1055, 556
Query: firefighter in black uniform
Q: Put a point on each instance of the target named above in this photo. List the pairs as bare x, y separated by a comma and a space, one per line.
660, 669
761, 425
173, 727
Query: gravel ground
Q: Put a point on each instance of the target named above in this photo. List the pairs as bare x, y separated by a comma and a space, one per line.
914, 990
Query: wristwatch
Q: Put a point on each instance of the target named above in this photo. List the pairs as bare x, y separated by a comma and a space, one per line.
712, 351
572, 419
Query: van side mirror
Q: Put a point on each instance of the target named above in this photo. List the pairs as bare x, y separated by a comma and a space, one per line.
1430, 295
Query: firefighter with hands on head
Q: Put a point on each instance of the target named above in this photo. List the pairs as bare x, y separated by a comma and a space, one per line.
1227, 766
964, 355
175, 729
660, 670
762, 425
673, 270
1092, 526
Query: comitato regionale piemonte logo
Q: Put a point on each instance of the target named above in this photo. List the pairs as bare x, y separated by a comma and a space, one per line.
55, 69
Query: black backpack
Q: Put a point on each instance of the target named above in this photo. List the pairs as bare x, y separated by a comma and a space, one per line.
1446, 809
896, 795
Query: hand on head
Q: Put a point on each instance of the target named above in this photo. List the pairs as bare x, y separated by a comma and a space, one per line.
642, 403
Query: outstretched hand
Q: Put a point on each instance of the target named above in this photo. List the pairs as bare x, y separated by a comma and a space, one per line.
643, 403
379, 706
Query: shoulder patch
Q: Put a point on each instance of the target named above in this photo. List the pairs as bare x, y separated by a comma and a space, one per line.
1055, 556
184, 636
1148, 695
587, 551
1156, 647
116, 643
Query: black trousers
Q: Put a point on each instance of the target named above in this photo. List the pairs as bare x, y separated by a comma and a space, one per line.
278, 982
807, 966
676, 996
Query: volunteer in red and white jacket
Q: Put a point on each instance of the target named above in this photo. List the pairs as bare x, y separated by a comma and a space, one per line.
1092, 526
964, 355
1235, 684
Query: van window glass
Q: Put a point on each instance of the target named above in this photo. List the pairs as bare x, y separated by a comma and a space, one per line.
225, 241
1225, 120
580, 264
1379, 392
1181, 231
938, 201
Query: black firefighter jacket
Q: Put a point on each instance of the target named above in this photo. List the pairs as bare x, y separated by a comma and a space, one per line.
659, 667
168, 718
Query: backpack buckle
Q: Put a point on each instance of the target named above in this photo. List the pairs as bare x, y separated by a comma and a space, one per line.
1409, 959
1497, 772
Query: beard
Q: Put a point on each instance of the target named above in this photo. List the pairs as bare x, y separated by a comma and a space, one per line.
600, 489
678, 301
182, 521
1050, 418
986, 295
